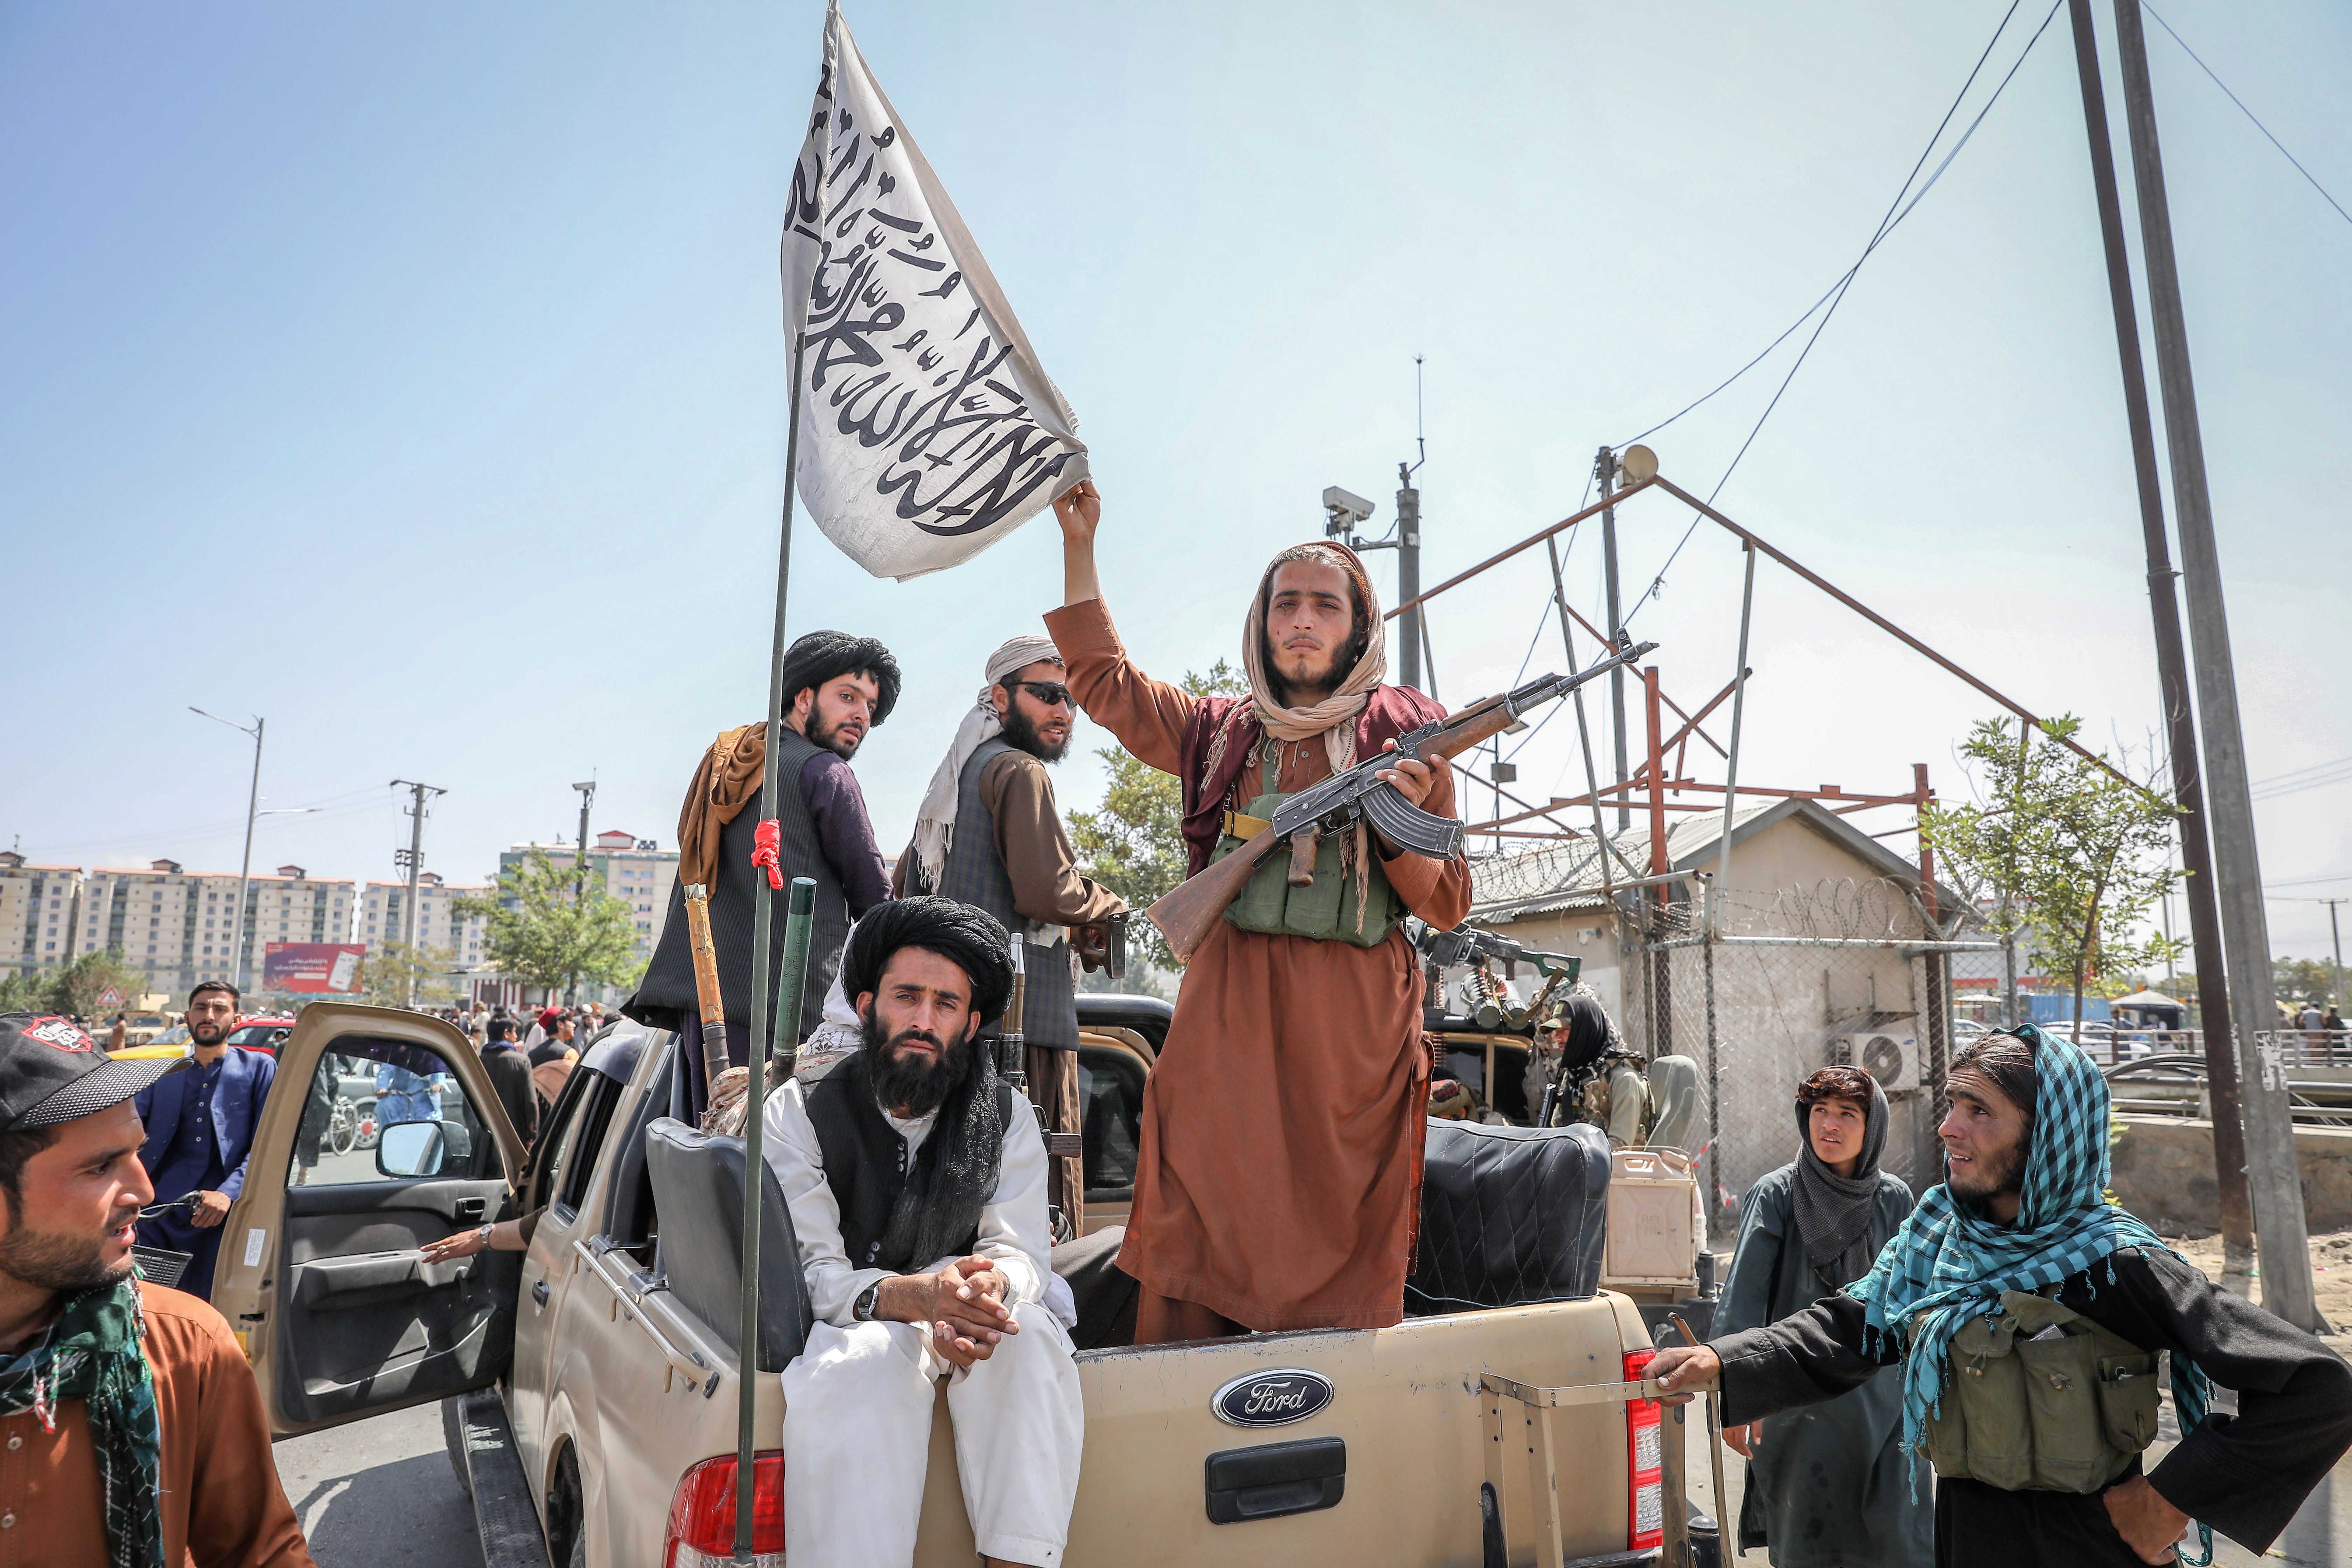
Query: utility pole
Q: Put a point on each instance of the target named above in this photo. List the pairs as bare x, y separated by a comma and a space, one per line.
580, 872
1604, 470
1410, 643
2235, 1203
2336, 979
252, 810
2276, 1184
415, 860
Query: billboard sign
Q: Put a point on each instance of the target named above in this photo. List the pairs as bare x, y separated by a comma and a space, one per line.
323, 967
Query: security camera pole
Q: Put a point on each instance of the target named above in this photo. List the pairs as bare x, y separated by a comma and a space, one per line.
1343, 510
1604, 470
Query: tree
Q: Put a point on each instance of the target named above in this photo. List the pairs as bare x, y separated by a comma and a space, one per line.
2304, 980
1134, 844
76, 989
542, 931
2063, 845
397, 975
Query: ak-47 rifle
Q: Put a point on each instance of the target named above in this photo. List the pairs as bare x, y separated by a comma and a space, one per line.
1468, 944
1186, 914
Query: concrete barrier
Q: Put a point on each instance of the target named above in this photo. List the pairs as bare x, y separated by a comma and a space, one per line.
2164, 1174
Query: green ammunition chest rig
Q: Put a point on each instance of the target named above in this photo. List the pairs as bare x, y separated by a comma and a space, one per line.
1326, 908
2040, 1398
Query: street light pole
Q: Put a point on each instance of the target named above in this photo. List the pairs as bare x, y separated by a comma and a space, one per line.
580, 871
252, 809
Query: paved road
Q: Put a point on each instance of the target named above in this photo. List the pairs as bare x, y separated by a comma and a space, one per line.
379, 1493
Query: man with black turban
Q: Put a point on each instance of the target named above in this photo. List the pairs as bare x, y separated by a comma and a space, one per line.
916, 1184
836, 687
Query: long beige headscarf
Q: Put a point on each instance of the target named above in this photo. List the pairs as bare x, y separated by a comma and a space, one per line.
1334, 717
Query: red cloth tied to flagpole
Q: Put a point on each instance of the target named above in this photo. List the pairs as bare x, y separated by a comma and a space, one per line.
767, 848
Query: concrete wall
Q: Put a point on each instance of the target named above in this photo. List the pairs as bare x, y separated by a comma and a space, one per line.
2164, 1174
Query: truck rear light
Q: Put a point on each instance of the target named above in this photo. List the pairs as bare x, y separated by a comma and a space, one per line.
702, 1514
1645, 1457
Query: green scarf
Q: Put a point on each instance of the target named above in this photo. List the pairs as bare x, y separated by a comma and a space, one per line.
92, 1355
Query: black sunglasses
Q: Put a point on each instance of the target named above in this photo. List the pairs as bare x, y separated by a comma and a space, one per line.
1052, 693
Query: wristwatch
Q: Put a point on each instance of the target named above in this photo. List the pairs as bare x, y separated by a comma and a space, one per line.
484, 1232
862, 1310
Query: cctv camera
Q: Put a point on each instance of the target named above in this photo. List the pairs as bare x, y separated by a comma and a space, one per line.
1345, 507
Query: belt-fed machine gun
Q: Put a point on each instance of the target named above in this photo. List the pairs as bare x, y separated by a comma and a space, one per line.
1186, 914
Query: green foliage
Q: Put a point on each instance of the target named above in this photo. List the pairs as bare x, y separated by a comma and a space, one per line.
79, 986
396, 974
24, 991
1134, 843
552, 937
2062, 846
2301, 980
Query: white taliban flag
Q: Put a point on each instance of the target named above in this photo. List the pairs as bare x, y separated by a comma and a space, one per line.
928, 428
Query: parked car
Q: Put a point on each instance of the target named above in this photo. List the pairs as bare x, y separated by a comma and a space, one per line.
264, 1035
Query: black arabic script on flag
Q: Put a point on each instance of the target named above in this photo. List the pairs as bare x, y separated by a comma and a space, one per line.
899, 356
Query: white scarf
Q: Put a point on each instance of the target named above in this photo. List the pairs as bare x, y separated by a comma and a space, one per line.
935, 821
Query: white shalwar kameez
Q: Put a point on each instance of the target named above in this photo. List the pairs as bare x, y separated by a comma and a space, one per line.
858, 1400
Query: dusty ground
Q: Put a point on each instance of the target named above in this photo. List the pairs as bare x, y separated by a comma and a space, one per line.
2331, 1273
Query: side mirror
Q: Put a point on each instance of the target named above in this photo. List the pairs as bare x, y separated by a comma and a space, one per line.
421, 1148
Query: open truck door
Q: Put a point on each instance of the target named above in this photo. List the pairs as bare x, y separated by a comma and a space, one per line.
381, 1134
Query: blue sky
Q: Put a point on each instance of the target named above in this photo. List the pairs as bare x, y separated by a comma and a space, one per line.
413, 375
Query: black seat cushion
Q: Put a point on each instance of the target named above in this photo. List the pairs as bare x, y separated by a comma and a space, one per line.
1508, 1215
697, 1183
1106, 1294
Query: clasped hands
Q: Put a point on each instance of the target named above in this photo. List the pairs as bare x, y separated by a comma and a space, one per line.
960, 1307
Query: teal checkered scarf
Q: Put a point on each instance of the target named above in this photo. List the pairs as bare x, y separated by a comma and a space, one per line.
1948, 1263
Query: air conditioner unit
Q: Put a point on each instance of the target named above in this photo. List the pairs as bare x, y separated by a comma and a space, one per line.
1892, 1058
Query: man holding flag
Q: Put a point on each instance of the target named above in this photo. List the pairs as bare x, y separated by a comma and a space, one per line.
1278, 1183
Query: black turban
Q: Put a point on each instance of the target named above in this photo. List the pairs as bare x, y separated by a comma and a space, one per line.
970, 938
820, 656
1587, 1028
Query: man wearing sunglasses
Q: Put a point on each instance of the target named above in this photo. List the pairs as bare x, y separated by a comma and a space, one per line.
989, 834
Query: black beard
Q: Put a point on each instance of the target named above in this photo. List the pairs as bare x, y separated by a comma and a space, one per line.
2009, 1176
907, 1087
60, 1263
209, 1034
1318, 684
1020, 733
829, 737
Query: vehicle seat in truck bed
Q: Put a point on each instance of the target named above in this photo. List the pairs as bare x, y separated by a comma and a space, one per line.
698, 1192
1508, 1215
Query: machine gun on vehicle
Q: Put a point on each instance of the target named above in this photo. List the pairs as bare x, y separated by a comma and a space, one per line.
1187, 913
1442, 950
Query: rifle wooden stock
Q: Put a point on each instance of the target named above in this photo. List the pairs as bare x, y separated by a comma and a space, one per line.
1188, 911
708, 1001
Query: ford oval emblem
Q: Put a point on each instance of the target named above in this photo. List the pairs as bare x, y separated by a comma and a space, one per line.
1272, 1398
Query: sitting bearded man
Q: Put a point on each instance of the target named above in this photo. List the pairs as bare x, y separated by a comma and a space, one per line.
916, 1177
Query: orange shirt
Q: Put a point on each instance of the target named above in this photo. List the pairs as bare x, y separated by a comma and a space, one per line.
222, 1504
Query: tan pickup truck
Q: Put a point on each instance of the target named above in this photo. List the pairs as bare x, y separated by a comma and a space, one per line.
590, 1382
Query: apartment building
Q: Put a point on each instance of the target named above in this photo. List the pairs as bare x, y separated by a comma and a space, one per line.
180, 926
384, 917
38, 907
637, 871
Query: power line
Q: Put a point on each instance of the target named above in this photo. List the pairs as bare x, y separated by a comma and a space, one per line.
2249, 113
2316, 777
1898, 211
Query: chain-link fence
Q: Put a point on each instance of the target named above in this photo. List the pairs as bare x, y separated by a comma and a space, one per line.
1841, 973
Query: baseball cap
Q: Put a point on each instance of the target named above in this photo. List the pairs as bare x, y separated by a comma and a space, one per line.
51, 1072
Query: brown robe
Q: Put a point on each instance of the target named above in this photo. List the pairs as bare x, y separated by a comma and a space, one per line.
1278, 1183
